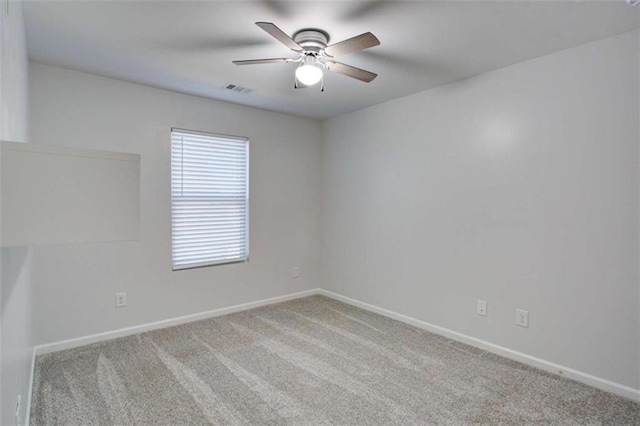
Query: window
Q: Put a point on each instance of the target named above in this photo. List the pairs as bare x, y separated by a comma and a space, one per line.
209, 199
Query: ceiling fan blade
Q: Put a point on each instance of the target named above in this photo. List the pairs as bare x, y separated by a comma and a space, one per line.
350, 71
280, 35
354, 44
263, 61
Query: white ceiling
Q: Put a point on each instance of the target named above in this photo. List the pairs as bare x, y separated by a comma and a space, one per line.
188, 46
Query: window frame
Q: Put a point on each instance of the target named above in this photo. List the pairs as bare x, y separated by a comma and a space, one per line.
206, 264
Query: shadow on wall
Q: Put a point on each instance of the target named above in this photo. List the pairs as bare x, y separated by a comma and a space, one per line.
13, 263
15, 323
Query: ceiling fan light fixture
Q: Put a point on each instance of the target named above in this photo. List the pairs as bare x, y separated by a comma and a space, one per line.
314, 55
309, 73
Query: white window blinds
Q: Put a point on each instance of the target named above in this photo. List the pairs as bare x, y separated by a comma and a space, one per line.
209, 199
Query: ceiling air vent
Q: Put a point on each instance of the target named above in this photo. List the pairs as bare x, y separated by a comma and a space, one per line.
236, 88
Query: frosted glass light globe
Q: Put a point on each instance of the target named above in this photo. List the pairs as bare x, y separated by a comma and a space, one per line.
309, 74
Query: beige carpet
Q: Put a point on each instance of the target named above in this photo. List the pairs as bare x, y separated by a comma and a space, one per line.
308, 361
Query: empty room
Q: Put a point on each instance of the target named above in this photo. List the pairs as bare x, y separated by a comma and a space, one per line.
319, 212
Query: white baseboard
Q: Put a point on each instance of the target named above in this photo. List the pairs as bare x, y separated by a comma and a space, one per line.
108, 335
588, 379
579, 376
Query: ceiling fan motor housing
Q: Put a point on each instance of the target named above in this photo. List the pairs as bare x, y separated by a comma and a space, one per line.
312, 40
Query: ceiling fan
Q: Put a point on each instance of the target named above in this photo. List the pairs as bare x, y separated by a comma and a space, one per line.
314, 54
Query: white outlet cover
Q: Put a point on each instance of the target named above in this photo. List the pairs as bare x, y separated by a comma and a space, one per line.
121, 300
481, 308
295, 272
522, 318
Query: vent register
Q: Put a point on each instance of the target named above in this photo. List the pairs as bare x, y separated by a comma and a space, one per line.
236, 88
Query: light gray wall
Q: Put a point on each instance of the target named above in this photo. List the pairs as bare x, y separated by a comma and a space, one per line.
75, 285
15, 283
519, 187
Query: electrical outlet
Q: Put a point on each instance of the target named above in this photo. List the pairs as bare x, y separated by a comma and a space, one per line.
482, 307
121, 300
522, 318
295, 272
